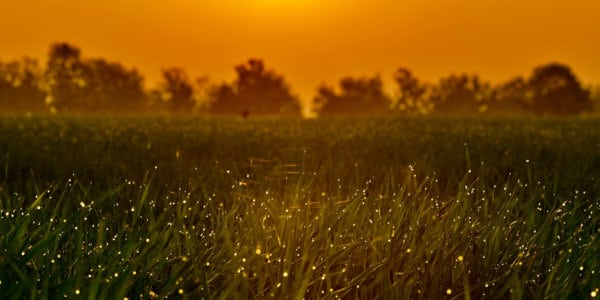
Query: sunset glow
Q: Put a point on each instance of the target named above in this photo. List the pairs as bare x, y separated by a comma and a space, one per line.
311, 41
314, 149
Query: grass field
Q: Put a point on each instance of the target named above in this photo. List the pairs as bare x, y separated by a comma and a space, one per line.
118, 208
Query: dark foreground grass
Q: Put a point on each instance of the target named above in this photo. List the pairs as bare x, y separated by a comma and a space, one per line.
126, 208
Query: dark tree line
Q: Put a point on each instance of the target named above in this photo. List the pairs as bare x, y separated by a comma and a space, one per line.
255, 91
71, 83
357, 97
22, 86
90, 85
551, 90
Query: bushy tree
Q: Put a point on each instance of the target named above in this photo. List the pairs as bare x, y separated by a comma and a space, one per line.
110, 87
556, 91
91, 85
510, 98
255, 91
412, 98
460, 94
63, 77
595, 99
177, 90
356, 97
21, 87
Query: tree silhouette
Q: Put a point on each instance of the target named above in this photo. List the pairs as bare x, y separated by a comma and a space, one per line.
256, 91
412, 93
21, 87
177, 90
556, 91
510, 98
357, 97
110, 87
595, 99
91, 85
70, 84
460, 94
63, 77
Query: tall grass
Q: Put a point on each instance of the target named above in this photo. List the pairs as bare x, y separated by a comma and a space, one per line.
115, 208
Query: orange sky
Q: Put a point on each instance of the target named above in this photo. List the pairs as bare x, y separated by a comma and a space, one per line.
314, 41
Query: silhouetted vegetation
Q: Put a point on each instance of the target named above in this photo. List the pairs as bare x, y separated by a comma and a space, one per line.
256, 91
177, 90
552, 89
460, 94
111, 87
595, 99
70, 83
63, 76
356, 97
412, 98
21, 87
556, 91
509, 97
92, 85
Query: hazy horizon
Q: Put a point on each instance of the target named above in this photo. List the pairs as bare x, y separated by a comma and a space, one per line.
310, 42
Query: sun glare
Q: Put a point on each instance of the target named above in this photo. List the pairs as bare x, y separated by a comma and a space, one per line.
289, 7
286, 4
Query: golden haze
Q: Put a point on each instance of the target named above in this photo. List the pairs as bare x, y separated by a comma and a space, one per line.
314, 41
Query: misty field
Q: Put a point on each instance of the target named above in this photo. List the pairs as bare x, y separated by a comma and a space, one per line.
125, 207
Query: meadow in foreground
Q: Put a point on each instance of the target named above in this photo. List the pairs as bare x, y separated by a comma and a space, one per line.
119, 208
